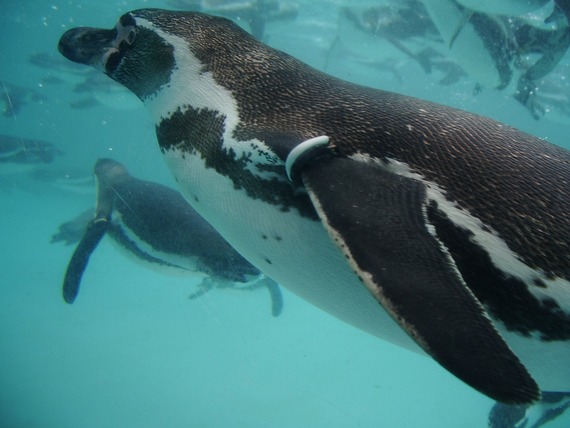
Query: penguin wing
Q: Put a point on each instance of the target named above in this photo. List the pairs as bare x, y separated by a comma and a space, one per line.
378, 220
95, 231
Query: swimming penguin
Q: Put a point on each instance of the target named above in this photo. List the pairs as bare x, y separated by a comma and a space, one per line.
406, 27
439, 230
552, 405
394, 24
256, 13
479, 43
24, 154
496, 50
156, 225
552, 95
14, 97
504, 7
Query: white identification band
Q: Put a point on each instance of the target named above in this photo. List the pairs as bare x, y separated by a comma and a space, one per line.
301, 149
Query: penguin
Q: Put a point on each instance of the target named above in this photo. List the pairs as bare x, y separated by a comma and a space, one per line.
396, 25
155, 226
256, 13
480, 43
553, 404
504, 7
14, 97
24, 154
496, 50
439, 230
552, 97
406, 27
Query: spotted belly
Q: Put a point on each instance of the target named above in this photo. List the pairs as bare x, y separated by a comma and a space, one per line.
297, 252
275, 241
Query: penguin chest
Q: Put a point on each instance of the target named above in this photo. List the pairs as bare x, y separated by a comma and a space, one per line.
287, 244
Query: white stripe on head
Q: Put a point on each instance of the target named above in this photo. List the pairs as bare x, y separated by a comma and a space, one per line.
192, 87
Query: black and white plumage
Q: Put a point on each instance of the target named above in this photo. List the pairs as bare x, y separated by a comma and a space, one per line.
415, 218
20, 154
154, 225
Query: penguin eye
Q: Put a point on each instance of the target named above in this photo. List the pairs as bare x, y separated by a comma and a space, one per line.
131, 36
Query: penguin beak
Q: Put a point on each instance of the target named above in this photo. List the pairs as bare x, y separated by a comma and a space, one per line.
87, 45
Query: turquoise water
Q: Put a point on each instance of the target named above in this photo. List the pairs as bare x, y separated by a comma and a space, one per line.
134, 351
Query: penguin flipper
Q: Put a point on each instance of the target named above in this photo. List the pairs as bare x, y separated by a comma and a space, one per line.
78, 262
276, 296
465, 18
378, 220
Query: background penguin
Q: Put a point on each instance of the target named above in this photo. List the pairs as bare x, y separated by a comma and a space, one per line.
552, 405
480, 44
24, 154
14, 97
414, 221
501, 52
381, 34
504, 7
154, 225
256, 13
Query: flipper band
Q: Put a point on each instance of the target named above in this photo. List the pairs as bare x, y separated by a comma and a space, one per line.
311, 146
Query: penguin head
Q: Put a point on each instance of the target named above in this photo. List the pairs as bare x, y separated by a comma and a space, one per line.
109, 170
139, 52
